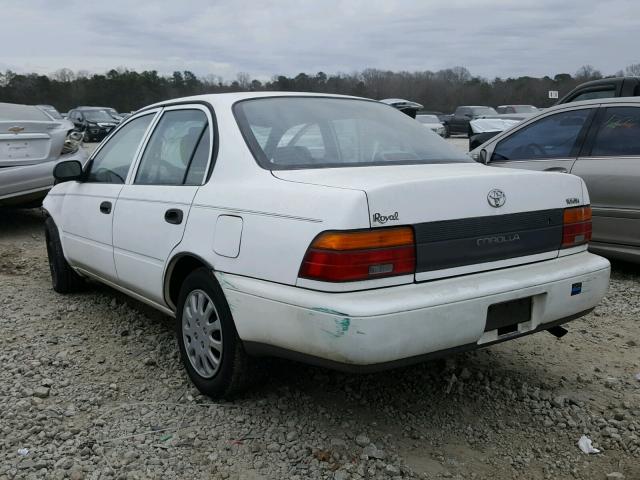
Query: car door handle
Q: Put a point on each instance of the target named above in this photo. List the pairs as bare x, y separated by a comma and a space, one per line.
105, 207
556, 169
173, 215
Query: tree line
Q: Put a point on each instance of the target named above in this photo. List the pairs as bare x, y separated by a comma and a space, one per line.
128, 90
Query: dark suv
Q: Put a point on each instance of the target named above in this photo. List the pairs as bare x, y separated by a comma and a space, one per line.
94, 122
603, 88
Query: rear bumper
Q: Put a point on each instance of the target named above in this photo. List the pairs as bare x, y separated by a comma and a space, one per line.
396, 325
27, 183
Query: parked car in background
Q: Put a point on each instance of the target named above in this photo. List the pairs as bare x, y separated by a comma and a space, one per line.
458, 122
94, 122
598, 140
273, 230
405, 106
31, 144
517, 109
486, 127
432, 123
603, 88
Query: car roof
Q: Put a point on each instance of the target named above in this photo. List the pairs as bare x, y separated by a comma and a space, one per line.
595, 101
221, 99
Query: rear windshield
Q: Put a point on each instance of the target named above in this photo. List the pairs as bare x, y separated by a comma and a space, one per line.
15, 112
51, 111
524, 109
318, 132
97, 116
427, 119
483, 111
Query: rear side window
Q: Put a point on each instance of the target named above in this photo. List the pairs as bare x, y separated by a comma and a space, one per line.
178, 150
554, 136
111, 164
619, 133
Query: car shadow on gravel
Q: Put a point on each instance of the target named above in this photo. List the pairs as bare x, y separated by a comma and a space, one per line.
15, 222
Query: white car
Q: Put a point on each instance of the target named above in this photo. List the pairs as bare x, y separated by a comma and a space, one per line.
322, 228
432, 123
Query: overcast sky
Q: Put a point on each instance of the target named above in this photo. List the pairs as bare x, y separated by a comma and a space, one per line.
266, 37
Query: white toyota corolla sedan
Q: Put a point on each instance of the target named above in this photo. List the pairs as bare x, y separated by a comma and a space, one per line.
328, 229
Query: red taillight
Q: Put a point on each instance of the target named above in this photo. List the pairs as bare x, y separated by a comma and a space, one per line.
361, 255
577, 226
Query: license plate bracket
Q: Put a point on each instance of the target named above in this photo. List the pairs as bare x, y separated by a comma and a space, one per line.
506, 316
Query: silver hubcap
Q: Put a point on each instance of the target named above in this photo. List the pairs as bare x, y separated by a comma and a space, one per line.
202, 334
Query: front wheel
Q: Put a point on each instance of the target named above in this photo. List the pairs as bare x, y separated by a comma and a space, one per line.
63, 278
210, 348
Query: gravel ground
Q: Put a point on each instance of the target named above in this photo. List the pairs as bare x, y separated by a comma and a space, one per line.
91, 386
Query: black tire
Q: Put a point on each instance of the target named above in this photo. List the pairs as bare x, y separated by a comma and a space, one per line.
63, 278
236, 369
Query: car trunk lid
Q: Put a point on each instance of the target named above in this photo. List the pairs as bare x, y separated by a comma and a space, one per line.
457, 226
25, 142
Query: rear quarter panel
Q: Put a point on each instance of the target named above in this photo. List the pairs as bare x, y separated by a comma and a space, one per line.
279, 221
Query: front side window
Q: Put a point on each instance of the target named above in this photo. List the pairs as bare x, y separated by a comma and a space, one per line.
554, 136
111, 164
308, 132
619, 133
178, 150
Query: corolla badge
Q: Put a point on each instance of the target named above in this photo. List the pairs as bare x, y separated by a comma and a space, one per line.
496, 198
382, 219
16, 130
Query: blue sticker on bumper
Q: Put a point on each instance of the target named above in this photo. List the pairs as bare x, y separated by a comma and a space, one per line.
576, 288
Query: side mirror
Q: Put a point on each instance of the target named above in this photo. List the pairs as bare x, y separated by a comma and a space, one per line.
67, 171
483, 156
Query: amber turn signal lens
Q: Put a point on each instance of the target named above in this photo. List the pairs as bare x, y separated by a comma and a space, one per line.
578, 214
380, 238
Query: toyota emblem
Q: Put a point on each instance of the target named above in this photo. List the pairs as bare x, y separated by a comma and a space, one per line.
496, 198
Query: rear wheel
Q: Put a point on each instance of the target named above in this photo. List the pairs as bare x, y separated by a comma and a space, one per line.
210, 349
63, 278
